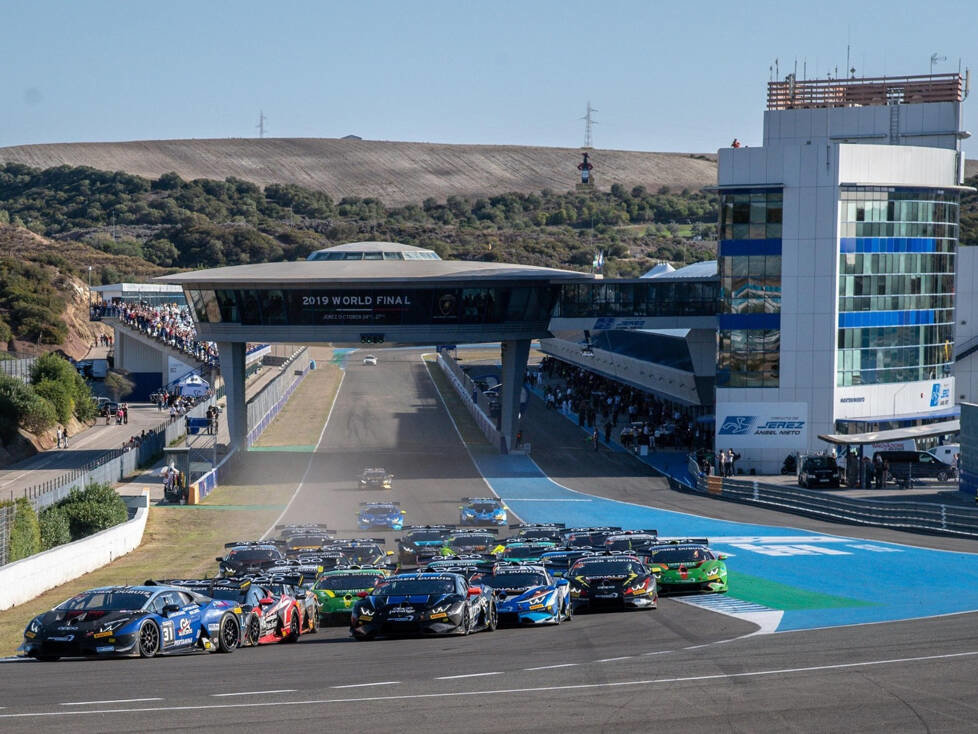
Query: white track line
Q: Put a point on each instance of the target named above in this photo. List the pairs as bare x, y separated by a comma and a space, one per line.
312, 456
468, 675
501, 691
117, 700
551, 667
612, 660
365, 685
253, 693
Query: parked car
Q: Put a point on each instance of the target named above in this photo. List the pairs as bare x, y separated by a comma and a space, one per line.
819, 471
946, 452
905, 466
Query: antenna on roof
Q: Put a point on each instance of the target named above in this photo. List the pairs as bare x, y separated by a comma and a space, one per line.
588, 122
261, 123
934, 59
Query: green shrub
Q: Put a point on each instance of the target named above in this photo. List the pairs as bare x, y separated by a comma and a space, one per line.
25, 533
92, 509
21, 406
58, 395
39, 415
53, 368
55, 529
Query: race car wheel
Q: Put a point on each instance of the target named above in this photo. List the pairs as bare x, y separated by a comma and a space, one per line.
253, 633
149, 639
492, 619
466, 622
293, 635
568, 610
942, 476
313, 622
229, 634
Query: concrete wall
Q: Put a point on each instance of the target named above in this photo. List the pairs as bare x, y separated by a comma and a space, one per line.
23, 580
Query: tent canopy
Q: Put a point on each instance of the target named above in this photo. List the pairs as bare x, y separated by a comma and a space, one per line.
194, 380
897, 434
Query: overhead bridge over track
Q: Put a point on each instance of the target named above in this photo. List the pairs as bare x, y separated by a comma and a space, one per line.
393, 294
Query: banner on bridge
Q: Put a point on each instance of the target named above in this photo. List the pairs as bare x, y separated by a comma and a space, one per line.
762, 425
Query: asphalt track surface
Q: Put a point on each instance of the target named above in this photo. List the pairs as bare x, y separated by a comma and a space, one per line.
678, 668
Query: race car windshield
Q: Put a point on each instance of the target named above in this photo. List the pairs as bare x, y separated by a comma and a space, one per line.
415, 587
420, 536
606, 568
305, 541
485, 506
362, 556
681, 555
470, 541
820, 462
374, 475
522, 552
511, 580
627, 543
382, 509
110, 601
247, 556
348, 581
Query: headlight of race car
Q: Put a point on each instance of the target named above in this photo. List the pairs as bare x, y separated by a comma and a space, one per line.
114, 625
468, 512
446, 608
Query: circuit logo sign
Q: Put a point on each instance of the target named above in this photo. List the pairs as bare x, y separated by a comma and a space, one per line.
763, 425
737, 425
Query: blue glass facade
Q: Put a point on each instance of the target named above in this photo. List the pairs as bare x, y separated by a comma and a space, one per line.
896, 284
749, 265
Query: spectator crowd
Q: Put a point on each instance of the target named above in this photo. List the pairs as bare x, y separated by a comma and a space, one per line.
169, 323
603, 404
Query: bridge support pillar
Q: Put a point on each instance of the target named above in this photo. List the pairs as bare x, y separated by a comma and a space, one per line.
232, 356
514, 355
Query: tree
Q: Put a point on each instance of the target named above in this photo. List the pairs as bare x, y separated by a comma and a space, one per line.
25, 533
119, 385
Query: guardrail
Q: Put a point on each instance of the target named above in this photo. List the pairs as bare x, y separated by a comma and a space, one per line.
470, 395
921, 517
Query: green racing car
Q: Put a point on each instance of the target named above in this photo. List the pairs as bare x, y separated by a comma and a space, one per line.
687, 564
337, 591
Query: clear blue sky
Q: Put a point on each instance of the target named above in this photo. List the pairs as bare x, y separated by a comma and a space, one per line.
678, 76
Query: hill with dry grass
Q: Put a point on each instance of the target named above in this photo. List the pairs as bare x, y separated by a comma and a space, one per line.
397, 173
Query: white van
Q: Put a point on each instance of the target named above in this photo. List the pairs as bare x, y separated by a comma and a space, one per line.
946, 452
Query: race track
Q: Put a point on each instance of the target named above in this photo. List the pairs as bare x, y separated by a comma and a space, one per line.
683, 667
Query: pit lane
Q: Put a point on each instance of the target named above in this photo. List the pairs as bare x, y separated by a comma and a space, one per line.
687, 667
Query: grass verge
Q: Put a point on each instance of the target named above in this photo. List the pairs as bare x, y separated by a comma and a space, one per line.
301, 420
471, 434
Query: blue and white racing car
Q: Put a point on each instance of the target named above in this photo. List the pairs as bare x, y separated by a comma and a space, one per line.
380, 515
136, 621
527, 594
482, 511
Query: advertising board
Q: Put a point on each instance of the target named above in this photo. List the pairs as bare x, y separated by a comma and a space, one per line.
762, 425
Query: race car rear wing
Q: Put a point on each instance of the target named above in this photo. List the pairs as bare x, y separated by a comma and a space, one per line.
472, 531
648, 531
350, 542
596, 529
315, 526
482, 499
538, 526
379, 504
253, 543
428, 527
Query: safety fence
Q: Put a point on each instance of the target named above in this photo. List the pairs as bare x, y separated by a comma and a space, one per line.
16, 366
274, 395
111, 466
470, 394
6, 521
925, 517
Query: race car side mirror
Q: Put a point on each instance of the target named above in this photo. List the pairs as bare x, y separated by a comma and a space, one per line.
403, 512
397, 540
218, 559
721, 556
267, 600
562, 582
363, 594
170, 609
390, 553
474, 591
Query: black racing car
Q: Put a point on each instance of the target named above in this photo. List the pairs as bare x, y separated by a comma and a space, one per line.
249, 557
375, 478
420, 543
612, 581
424, 604
633, 541
589, 537
527, 532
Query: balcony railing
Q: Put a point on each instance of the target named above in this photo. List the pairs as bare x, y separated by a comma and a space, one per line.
866, 91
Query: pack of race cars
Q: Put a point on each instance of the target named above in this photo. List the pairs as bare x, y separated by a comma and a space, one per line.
442, 579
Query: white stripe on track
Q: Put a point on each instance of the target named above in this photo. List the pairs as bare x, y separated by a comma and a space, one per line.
312, 456
481, 692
